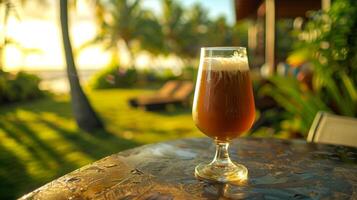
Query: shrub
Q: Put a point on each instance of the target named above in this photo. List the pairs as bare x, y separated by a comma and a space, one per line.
18, 87
116, 77
189, 73
328, 42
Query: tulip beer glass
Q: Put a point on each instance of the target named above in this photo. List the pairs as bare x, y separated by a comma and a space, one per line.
223, 108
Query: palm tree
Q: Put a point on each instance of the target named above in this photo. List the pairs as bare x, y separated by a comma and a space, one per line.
83, 112
183, 31
122, 24
172, 20
151, 37
9, 8
195, 30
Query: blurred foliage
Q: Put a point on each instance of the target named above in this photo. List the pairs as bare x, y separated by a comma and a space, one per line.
10, 8
18, 87
328, 41
112, 77
300, 105
177, 31
117, 77
283, 44
186, 31
7, 8
124, 21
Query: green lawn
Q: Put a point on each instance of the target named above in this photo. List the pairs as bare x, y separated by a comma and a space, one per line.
39, 140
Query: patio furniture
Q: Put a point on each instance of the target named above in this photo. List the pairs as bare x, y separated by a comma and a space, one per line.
278, 169
165, 91
333, 129
179, 96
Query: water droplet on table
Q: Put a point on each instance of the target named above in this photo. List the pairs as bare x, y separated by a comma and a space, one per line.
136, 171
73, 179
110, 165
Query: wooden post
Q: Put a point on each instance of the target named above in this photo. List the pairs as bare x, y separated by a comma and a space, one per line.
270, 35
260, 50
325, 5
252, 36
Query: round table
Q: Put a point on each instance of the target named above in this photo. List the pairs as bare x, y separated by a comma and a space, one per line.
278, 169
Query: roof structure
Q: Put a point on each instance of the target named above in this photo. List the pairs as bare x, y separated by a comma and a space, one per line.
284, 8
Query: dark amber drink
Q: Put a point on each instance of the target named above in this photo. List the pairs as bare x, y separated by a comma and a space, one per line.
223, 108
225, 102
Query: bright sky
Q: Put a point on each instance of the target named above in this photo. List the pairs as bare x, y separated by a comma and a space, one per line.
216, 8
41, 31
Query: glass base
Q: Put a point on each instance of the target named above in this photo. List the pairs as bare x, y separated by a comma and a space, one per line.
232, 173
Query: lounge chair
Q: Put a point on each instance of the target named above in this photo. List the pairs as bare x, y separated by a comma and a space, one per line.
333, 129
180, 96
165, 91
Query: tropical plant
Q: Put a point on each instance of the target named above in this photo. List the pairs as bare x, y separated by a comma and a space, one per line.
177, 31
186, 31
285, 41
123, 21
328, 41
9, 8
220, 33
300, 105
18, 87
118, 77
183, 31
114, 77
82, 110
150, 34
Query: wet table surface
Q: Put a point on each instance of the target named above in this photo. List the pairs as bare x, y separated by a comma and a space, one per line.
278, 169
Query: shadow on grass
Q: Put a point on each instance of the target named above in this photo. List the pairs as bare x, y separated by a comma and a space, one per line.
34, 144
13, 171
50, 104
13, 175
96, 144
26, 138
38, 139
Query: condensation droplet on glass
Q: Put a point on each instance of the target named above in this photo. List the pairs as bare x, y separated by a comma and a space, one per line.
235, 54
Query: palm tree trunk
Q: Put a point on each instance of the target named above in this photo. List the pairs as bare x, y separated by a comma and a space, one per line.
131, 54
2, 57
82, 110
115, 59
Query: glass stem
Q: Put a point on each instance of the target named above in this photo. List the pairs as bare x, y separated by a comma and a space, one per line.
221, 158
